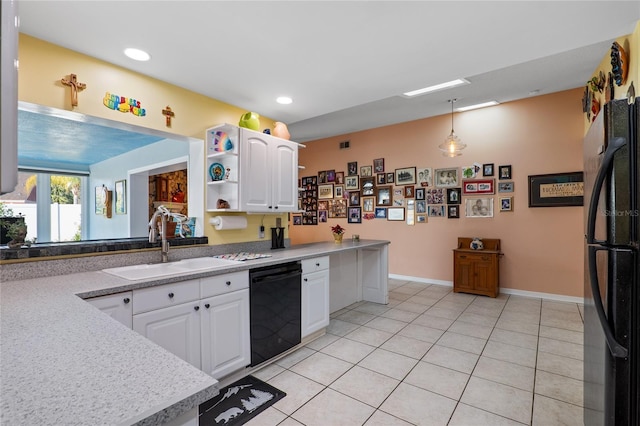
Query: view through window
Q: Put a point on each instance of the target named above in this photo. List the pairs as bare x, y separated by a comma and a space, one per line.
51, 205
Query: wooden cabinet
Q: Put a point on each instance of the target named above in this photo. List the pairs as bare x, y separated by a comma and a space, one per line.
477, 271
315, 295
262, 171
117, 306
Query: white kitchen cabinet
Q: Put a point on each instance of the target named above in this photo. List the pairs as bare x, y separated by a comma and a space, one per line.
268, 173
175, 328
315, 295
226, 345
118, 306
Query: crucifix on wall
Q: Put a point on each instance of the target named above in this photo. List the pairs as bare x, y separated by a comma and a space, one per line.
76, 86
168, 114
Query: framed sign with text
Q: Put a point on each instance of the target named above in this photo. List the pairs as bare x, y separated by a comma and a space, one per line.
556, 190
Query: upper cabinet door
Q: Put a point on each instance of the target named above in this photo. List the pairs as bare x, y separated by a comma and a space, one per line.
268, 173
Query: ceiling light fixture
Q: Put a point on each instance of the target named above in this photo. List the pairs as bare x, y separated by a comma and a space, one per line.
284, 100
476, 106
452, 146
447, 85
137, 54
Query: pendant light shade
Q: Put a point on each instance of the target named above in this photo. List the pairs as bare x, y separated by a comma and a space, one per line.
452, 146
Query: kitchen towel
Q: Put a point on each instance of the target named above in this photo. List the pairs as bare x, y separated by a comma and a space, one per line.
222, 223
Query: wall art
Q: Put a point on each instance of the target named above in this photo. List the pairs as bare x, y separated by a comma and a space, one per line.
506, 204
325, 191
436, 211
383, 196
368, 185
446, 178
479, 207
505, 172
381, 213
505, 186
121, 197
355, 215
454, 196
487, 169
406, 176
366, 171
453, 211
478, 186
395, 213
556, 190
378, 165
352, 168
425, 177
351, 182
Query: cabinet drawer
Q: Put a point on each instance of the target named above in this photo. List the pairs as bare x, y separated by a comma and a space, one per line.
220, 284
315, 264
151, 298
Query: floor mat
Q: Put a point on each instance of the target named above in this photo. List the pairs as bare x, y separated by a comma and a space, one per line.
239, 402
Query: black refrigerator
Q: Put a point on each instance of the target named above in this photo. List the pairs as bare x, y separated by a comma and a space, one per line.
612, 296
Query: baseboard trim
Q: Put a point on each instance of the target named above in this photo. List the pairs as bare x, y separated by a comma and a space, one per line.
515, 292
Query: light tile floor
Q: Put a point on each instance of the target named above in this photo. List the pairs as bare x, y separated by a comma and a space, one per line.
434, 357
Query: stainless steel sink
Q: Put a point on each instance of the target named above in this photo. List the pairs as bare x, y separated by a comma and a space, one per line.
154, 270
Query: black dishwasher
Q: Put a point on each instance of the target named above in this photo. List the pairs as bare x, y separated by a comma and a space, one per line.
275, 308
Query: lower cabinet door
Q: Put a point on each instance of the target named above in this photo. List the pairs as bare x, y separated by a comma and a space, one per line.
176, 328
315, 301
226, 345
117, 306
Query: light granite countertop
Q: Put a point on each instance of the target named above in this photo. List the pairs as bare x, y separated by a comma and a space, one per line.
64, 362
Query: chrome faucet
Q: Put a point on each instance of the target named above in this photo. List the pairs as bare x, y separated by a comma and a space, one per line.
164, 246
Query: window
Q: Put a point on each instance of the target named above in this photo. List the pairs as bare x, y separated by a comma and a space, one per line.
52, 205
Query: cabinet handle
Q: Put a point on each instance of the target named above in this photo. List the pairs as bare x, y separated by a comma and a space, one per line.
196, 308
486, 258
171, 295
306, 279
206, 305
463, 257
270, 207
126, 300
228, 282
317, 264
276, 207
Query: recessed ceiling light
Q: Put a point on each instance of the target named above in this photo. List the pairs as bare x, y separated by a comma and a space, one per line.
284, 100
476, 106
447, 85
137, 54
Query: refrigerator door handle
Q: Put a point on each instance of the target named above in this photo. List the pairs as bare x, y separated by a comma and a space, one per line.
617, 350
614, 145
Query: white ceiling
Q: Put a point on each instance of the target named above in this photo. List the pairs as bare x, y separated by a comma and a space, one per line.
345, 63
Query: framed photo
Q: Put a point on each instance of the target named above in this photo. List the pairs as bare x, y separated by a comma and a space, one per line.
447, 178
436, 211
101, 200
478, 186
322, 216
556, 190
421, 218
391, 177
381, 178
420, 193
436, 195
323, 205
355, 215
121, 197
351, 182
421, 206
409, 192
331, 176
505, 186
487, 169
339, 179
368, 204
406, 176
381, 213
383, 196
297, 219
352, 168
337, 191
505, 172
325, 191
368, 186
478, 207
322, 176
366, 171
398, 197
395, 213
425, 177
354, 198
453, 211
453, 196
506, 204
338, 208
378, 165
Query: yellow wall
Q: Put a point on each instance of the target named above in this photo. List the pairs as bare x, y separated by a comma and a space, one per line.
543, 247
631, 45
43, 65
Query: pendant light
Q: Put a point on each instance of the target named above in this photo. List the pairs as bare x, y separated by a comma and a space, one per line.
452, 146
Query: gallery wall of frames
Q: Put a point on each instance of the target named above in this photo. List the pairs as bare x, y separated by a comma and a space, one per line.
410, 194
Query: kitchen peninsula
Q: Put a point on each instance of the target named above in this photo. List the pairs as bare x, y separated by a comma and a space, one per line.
65, 362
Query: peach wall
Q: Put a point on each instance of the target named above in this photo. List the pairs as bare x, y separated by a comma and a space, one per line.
542, 246
43, 64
